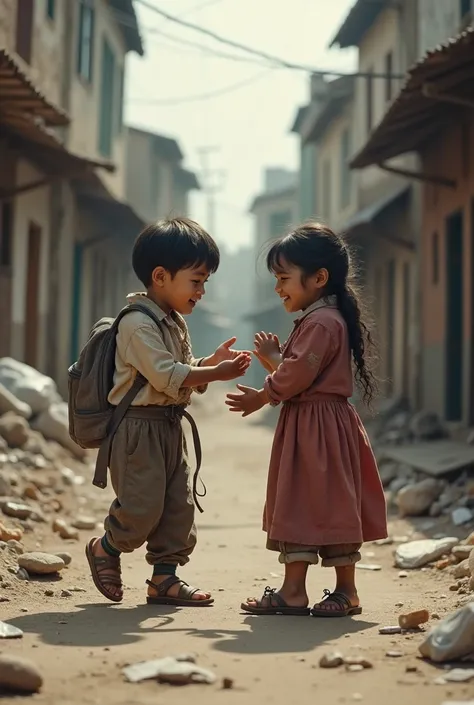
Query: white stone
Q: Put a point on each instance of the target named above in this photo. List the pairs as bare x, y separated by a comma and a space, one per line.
28, 385
416, 499
168, 670
53, 424
9, 402
40, 563
461, 516
8, 631
416, 554
452, 639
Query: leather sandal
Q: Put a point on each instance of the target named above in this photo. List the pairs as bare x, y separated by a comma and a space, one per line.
184, 597
100, 565
344, 606
272, 603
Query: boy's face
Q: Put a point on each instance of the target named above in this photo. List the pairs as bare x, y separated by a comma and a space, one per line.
181, 292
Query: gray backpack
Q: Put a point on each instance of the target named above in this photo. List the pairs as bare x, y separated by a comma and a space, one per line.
92, 420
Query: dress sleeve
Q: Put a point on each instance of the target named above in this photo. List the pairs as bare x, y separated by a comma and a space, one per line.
311, 351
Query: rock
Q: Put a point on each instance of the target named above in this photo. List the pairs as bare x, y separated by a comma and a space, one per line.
64, 530
39, 563
14, 429
359, 661
450, 496
461, 516
457, 675
388, 472
462, 553
53, 423
398, 484
49, 593
416, 554
394, 654
22, 574
452, 639
9, 402
19, 675
354, 667
30, 491
403, 574
168, 670
10, 534
5, 487
28, 385
66, 557
462, 570
66, 593
416, 499
227, 684
8, 631
334, 659
15, 547
426, 425
412, 620
84, 523
17, 511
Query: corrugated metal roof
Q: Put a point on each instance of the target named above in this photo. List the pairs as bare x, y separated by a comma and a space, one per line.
19, 95
414, 117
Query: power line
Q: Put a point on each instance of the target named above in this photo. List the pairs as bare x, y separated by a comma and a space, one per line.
202, 96
257, 52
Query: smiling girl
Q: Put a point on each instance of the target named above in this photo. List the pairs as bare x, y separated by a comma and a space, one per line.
324, 495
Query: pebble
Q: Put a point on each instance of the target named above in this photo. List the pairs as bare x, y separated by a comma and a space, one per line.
394, 654
19, 675
40, 563
64, 530
4, 599
461, 516
66, 557
462, 552
84, 523
49, 593
358, 661
399, 604
66, 593
15, 547
369, 566
403, 574
333, 659
22, 574
354, 668
8, 631
462, 570
227, 684
17, 511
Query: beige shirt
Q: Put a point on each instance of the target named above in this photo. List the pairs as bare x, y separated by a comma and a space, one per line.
163, 358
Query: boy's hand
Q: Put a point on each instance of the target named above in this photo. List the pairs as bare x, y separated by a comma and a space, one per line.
231, 369
248, 402
267, 350
225, 352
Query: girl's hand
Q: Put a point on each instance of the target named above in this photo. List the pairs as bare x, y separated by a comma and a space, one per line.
248, 402
263, 362
231, 369
267, 350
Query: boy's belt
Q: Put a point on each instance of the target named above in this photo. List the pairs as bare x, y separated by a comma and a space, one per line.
172, 414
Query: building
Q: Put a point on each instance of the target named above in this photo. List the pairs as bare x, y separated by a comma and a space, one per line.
62, 141
433, 116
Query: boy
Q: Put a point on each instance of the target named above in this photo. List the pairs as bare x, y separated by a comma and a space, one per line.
173, 259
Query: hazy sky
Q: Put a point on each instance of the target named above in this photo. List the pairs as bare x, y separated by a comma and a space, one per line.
250, 124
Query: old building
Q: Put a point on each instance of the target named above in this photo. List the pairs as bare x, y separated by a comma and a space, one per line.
433, 116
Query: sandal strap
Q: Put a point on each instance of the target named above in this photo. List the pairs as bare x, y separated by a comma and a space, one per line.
107, 563
185, 592
338, 598
274, 598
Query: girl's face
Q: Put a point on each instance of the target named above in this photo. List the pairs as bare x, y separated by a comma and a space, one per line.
297, 292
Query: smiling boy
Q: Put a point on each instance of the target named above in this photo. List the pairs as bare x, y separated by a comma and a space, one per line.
150, 476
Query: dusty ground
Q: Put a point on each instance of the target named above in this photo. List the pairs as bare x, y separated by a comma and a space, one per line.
81, 642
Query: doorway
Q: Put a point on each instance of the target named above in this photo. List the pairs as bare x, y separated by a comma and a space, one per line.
454, 372
32, 295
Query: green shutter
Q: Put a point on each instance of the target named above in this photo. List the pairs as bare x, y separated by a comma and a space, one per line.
106, 111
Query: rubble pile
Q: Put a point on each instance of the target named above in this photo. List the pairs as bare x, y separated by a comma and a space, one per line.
41, 474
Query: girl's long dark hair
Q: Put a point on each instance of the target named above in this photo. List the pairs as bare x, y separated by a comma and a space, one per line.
314, 246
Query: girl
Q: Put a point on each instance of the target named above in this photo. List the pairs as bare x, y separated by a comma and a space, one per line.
324, 495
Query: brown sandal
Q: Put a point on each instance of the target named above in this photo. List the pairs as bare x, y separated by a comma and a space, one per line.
275, 605
344, 606
99, 564
184, 598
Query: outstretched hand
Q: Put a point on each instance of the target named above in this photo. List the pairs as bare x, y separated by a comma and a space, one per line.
226, 352
267, 350
248, 402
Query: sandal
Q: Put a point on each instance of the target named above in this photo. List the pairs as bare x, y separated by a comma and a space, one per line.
100, 564
184, 598
344, 606
275, 605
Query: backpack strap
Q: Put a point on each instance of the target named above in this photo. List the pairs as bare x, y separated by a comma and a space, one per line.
103, 456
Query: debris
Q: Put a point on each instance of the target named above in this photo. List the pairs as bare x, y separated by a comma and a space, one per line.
168, 670
394, 654
416, 554
384, 542
451, 639
456, 675
390, 630
227, 684
413, 619
8, 631
358, 661
403, 574
461, 516
40, 563
416, 499
369, 566
19, 675
354, 668
333, 659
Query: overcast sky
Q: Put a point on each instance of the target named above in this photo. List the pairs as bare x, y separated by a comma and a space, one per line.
248, 124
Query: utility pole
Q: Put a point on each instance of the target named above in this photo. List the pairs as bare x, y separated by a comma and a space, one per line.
212, 180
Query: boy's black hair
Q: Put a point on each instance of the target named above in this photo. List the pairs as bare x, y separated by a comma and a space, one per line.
174, 244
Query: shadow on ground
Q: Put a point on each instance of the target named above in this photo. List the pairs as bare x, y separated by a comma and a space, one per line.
99, 625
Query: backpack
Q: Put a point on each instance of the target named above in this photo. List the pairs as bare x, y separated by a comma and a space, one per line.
92, 420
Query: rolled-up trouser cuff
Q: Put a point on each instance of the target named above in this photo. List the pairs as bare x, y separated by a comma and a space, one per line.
299, 557
341, 561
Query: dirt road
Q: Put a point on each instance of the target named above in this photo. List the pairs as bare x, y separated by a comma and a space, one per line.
80, 642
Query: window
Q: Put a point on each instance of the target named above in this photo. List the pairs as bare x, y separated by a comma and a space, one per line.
369, 99
345, 171
24, 28
279, 222
326, 190
107, 103
464, 8
6, 233
50, 8
388, 77
435, 259
85, 50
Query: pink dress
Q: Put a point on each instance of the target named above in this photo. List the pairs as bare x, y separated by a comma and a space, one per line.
323, 484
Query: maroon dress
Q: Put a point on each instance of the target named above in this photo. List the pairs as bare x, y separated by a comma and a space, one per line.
323, 484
